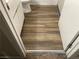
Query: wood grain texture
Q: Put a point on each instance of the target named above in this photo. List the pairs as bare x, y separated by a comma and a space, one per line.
40, 30
45, 56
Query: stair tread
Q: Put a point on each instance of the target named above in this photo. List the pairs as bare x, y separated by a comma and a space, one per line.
43, 47
41, 19
40, 30
40, 36
40, 25
41, 22
42, 13
45, 56
43, 16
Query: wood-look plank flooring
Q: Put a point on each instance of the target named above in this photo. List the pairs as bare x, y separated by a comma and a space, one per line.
40, 30
45, 56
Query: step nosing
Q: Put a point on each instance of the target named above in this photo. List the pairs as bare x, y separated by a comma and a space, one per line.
46, 51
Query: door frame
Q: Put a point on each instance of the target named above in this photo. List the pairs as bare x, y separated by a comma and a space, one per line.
19, 46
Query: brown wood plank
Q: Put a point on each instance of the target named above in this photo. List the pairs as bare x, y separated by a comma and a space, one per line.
45, 56
41, 36
40, 30
41, 19
49, 25
42, 22
42, 16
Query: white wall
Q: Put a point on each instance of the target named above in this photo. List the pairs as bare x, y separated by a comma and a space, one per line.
69, 21
60, 4
44, 2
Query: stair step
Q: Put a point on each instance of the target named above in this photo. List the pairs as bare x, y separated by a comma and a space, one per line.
42, 13
40, 36
46, 54
42, 19
30, 56
44, 8
43, 16
40, 30
49, 25
41, 22
44, 45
